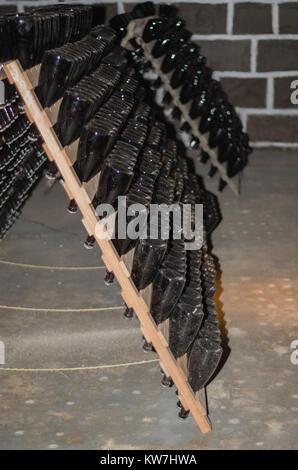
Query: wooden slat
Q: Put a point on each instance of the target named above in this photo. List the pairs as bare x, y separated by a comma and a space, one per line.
110, 256
71, 150
182, 362
67, 190
53, 112
33, 75
91, 186
2, 72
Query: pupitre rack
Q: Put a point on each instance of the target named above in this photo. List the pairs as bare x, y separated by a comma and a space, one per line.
134, 31
44, 119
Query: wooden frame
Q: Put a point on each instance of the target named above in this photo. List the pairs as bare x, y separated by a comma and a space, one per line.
63, 158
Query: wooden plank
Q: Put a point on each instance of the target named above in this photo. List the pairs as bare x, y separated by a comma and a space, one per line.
27, 111
2, 72
110, 256
45, 147
91, 186
127, 259
201, 396
53, 112
33, 75
164, 329
67, 190
182, 362
72, 150
147, 294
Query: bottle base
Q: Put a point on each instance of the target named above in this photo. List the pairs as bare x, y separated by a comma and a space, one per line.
167, 382
147, 347
128, 313
72, 207
183, 414
89, 243
109, 278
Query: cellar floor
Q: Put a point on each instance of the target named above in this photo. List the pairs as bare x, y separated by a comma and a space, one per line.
75, 376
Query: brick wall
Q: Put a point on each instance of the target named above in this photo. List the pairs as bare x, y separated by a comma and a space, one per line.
252, 46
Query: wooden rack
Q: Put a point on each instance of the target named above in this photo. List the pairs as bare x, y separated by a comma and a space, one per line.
135, 30
44, 119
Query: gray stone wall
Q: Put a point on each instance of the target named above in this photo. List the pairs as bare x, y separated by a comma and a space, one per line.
252, 46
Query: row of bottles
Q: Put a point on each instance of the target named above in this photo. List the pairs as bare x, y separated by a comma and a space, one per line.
122, 136
63, 67
26, 36
21, 158
191, 81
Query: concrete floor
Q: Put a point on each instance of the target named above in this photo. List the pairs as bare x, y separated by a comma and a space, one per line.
73, 399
